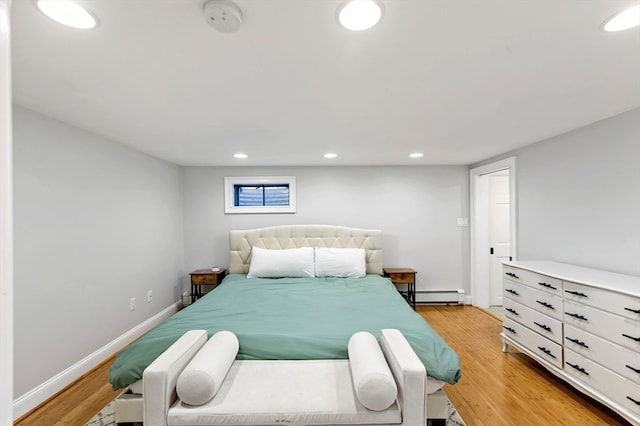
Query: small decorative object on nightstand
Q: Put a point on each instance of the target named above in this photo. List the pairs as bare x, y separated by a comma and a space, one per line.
212, 276
405, 276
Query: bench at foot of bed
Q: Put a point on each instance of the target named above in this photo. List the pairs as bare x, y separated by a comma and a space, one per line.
276, 392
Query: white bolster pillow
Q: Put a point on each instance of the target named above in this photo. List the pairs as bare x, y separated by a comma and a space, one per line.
372, 380
202, 377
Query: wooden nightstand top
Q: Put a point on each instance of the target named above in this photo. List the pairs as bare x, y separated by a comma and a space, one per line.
389, 271
208, 272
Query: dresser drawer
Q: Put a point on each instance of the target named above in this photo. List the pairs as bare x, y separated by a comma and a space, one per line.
617, 303
549, 327
533, 279
615, 328
617, 358
537, 344
624, 392
535, 299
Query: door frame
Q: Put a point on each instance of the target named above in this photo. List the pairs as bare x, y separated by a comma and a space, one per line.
6, 219
478, 226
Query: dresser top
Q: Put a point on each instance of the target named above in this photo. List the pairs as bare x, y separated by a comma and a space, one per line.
621, 283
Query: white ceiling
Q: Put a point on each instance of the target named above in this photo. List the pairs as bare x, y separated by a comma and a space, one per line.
460, 80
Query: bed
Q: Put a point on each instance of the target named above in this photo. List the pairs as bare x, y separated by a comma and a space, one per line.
302, 318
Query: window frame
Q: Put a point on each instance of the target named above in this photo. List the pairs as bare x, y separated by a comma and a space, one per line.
229, 189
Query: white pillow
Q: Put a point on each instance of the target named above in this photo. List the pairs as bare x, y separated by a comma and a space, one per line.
296, 262
340, 262
202, 377
372, 380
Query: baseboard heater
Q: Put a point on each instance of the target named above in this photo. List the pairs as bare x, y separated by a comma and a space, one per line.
453, 296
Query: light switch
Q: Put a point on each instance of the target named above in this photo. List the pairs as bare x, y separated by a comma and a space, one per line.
463, 221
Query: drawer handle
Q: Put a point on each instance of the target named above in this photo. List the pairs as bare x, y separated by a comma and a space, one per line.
510, 329
576, 293
546, 305
547, 285
546, 351
513, 311
637, 339
635, 311
577, 367
631, 399
580, 342
545, 327
580, 317
512, 292
637, 370
512, 275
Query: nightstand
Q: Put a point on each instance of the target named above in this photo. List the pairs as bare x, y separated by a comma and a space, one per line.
204, 277
403, 276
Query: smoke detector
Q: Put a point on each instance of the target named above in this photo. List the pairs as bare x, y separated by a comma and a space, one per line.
223, 15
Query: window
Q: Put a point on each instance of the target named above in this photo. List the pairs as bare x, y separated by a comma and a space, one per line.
260, 194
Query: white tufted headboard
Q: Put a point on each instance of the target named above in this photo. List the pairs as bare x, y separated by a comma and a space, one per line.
294, 236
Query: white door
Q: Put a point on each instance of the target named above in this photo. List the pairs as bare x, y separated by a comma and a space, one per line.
479, 230
499, 234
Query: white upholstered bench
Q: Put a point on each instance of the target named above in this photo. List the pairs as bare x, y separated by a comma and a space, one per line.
311, 392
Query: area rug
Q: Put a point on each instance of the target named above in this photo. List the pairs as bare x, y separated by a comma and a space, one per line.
107, 417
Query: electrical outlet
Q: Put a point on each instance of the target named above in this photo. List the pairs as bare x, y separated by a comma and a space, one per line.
132, 304
149, 296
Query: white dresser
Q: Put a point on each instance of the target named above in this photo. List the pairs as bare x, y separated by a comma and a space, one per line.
582, 324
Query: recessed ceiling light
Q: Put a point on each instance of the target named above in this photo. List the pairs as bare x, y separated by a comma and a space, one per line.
68, 13
330, 155
358, 15
624, 20
240, 155
416, 155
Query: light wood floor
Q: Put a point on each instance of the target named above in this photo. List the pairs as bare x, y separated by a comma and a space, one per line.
496, 388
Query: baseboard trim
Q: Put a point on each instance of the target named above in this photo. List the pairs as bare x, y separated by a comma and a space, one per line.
43, 392
453, 296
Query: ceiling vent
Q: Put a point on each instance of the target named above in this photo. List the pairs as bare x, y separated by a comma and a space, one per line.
223, 15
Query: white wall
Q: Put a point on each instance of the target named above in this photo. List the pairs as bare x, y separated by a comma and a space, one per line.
579, 196
96, 223
415, 207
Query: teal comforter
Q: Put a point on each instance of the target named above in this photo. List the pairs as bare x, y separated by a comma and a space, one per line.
293, 318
